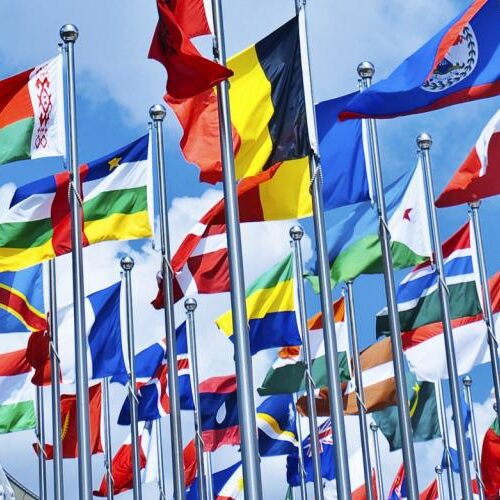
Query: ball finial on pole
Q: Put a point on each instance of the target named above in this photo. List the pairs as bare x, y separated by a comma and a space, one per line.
296, 233
190, 304
374, 427
366, 69
438, 469
467, 381
157, 112
127, 263
68, 33
424, 141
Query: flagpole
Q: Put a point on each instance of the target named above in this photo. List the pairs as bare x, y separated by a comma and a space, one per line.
296, 233
157, 114
302, 472
378, 462
242, 358
190, 305
208, 463
439, 477
360, 395
366, 71
108, 457
446, 439
40, 435
127, 264
69, 35
486, 300
55, 384
330, 339
424, 143
161, 467
467, 382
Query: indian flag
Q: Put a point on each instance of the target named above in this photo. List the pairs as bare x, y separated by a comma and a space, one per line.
17, 409
32, 113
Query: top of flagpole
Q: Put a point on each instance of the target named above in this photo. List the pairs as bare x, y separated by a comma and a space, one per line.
157, 112
69, 33
127, 263
424, 141
366, 69
296, 233
190, 304
467, 381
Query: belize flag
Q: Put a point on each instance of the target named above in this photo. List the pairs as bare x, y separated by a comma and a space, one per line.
460, 63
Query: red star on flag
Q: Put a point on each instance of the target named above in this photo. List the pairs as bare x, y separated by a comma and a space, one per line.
406, 214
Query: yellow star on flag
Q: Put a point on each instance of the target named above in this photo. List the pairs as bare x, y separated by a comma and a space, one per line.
113, 163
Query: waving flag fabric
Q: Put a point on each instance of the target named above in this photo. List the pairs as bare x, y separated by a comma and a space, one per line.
190, 463
479, 175
431, 492
37, 225
227, 484
460, 63
490, 460
398, 487
32, 113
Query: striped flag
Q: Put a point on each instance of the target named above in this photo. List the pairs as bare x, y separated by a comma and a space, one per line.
398, 487
227, 484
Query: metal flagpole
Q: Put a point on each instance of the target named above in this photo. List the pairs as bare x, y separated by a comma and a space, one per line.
127, 264
159, 452
40, 435
366, 71
378, 462
467, 382
424, 143
330, 339
302, 472
360, 395
446, 439
55, 383
243, 360
190, 306
208, 463
108, 456
296, 233
69, 34
439, 477
157, 114
486, 299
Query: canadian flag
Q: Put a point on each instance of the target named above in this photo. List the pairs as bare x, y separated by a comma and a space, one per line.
479, 175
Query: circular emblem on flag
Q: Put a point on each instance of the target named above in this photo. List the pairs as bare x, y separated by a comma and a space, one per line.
458, 63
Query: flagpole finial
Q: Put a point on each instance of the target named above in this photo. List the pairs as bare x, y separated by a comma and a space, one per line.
68, 33
157, 112
296, 233
438, 469
467, 381
366, 69
127, 263
374, 427
424, 141
190, 304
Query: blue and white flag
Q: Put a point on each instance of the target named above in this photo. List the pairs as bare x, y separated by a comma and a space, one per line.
227, 484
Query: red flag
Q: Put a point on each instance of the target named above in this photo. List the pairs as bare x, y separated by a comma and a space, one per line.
192, 16
189, 73
431, 492
479, 175
38, 356
490, 461
190, 463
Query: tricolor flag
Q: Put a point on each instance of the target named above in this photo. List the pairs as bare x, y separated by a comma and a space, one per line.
479, 175
227, 484
490, 460
460, 63
32, 113
116, 198
398, 487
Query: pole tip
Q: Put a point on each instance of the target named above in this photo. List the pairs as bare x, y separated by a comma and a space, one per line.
374, 427
424, 141
366, 69
157, 112
296, 233
68, 33
438, 469
127, 263
467, 381
190, 304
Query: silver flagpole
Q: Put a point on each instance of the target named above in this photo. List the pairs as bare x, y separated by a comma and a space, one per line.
443, 423
486, 302
378, 462
330, 339
208, 463
161, 467
467, 382
108, 456
296, 233
439, 478
242, 357
366, 71
127, 264
424, 143
302, 472
69, 35
40, 435
56, 387
360, 395
190, 305
157, 114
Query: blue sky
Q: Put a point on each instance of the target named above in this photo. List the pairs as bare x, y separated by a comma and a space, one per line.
116, 84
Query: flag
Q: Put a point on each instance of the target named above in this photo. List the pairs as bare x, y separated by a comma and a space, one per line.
219, 412
459, 64
17, 409
478, 177
36, 227
69, 430
276, 423
327, 457
122, 463
32, 113
190, 463
354, 245
490, 460
189, 73
418, 296
227, 484
431, 492
424, 418
194, 17
270, 310
398, 487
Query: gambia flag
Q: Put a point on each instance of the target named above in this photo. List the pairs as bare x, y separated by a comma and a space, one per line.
32, 113
490, 460
116, 199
